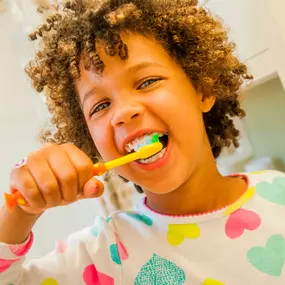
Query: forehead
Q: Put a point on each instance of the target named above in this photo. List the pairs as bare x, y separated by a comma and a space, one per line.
140, 50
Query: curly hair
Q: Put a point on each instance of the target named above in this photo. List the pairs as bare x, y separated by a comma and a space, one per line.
190, 34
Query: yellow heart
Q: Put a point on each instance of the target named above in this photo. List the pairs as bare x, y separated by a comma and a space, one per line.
258, 172
49, 281
210, 281
177, 233
241, 201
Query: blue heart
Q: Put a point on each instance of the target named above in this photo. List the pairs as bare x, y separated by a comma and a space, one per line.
114, 252
142, 218
273, 192
160, 271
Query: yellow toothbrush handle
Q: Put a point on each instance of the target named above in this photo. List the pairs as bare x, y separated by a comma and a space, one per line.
145, 152
122, 160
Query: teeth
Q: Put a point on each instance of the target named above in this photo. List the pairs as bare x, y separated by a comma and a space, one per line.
153, 158
139, 142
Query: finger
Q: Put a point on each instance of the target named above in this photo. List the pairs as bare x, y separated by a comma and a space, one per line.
64, 172
93, 188
22, 180
81, 162
45, 179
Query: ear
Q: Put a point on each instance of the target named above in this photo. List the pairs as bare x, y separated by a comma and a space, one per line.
206, 102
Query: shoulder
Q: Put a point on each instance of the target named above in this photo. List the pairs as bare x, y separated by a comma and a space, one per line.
268, 176
269, 188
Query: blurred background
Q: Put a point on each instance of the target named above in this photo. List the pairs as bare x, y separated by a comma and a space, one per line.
257, 27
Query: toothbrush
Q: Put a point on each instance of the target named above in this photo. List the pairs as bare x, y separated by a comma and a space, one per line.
100, 168
144, 152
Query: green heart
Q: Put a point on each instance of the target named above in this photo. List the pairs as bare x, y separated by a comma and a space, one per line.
273, 192
95, 230
114, 252
142, 218
269, 260
109, 219
159, 271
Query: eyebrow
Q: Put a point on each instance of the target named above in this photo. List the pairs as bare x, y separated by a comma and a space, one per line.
132, 69
143, 65
88, 94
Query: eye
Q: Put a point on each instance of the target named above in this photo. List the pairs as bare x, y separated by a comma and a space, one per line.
100, 107
148, 82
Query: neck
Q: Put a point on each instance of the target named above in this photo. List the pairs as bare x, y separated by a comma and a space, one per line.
206, 190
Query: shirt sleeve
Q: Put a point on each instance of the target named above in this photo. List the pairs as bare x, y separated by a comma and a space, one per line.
83, 259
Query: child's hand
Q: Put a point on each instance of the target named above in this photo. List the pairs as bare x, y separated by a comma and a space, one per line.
55, 176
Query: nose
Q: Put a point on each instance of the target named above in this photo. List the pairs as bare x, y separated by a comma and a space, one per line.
127, 114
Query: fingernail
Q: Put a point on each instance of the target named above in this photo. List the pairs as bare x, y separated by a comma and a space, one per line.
99, 186
96, 189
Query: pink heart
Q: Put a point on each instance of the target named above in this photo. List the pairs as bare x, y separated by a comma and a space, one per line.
93, 277
123, 253
5, 264
60, 247
240, 221
20, 250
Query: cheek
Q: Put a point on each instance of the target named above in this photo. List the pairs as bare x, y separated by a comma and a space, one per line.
102, 138
180, 113
175, 102
185, 121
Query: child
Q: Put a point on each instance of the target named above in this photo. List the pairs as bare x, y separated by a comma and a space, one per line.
115, 72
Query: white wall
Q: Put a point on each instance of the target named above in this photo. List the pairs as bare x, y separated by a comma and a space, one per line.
265, 120
276, 14
21, 117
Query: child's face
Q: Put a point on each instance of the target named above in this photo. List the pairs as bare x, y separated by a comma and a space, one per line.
146, 93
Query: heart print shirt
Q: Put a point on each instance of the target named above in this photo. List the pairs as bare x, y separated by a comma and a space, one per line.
243, 243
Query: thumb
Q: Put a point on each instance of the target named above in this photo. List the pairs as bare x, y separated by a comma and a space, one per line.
93, 188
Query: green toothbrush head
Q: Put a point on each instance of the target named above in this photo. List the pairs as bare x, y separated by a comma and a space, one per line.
155, 138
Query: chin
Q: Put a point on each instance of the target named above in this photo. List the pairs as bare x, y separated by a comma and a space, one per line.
164, 179
166, 186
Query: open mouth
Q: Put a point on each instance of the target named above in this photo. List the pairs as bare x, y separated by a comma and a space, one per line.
136, 144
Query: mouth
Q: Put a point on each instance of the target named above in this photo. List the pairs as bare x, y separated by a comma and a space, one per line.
145, 139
